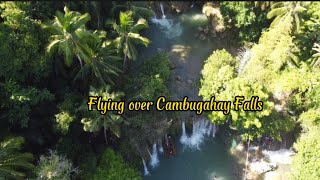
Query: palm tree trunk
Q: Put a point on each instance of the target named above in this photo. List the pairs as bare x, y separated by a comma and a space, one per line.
105, 134
105, 130
124, 63
245, 171
98, 20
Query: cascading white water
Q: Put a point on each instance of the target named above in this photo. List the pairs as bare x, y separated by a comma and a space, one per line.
145, 168
154, 162
160, 147
167, 26
282, 156
209, 129
184, 136
214, 130
201, 128
162, 10
243, 58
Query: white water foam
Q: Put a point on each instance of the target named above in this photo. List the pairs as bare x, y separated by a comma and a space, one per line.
168, 27
282, 156
244, 56
154, 162
145, 168
201, 128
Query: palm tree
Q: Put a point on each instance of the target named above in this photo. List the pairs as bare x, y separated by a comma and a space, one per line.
316, 56
280, 10
71, 38
94, 121
12, 161
103, 60
263, 4
129, 36
65, 30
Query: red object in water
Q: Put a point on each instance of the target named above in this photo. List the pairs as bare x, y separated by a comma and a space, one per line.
169, 149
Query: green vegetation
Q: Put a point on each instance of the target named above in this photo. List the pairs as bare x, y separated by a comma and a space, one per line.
93, 122
246, 19
112, 166
54, 166
283, 69
128, 35
12, 162
53, 55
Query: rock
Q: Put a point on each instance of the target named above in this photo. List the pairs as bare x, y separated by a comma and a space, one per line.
200, 29
261, 167
274, 175
172, 65
160, 50
223, 35
212, 11
214, 34
180, 7
202, 37
189, 81
206, 30
178, 78
253, 148
251, 176
240, 147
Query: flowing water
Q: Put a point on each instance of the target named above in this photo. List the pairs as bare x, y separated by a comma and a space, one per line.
154, 162
244, 56
201, 128
162, 11
205, 164
145, 168
199, 154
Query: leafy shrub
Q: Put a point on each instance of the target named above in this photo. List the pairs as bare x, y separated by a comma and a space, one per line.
112, 166
245, 18
54, 167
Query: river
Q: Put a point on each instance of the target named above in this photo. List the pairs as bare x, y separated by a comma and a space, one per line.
176, 36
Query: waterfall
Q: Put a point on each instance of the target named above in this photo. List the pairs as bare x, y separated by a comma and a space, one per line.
214, 130
167, 26
201, 128
160, 147
184, 136
209, 129
243, 58
145, 168
163, 15
154, 162
282, 156
149, 152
